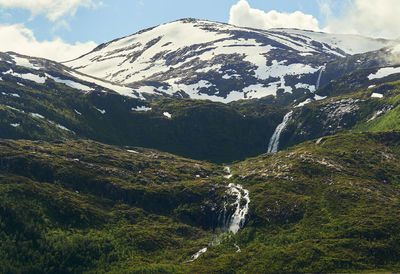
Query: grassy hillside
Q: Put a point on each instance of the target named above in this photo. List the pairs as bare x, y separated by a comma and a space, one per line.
80, 206
329, 205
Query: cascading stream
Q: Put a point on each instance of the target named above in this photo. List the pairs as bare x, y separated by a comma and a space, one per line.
237, 220
274, 142
319, 76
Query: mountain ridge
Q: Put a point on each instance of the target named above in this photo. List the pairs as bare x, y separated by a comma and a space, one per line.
218, 61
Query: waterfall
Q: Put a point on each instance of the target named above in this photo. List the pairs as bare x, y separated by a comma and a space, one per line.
319, 77
238, 218
274, 142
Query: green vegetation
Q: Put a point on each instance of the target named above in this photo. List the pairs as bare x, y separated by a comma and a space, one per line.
81, 206
77, 197
84, 206
326, 206
198, 129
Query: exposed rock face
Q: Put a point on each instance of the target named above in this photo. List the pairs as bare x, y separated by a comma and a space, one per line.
220, 62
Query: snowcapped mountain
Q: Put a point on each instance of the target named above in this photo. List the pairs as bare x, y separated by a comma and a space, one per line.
29, 71
209, 60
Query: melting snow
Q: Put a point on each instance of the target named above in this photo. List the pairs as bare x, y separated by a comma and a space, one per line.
198, 254
384, 72
350, 44
36, 115
302, 104
279, 69
119, 89
141, 109
143, 56
15, 125
311, 88
102, 111
167, 114
63, 127
24, 62
305, 54
14, 109
376, 95
70, 83
317, 97
27, 76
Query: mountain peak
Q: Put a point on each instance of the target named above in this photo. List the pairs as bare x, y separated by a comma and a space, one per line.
221, 62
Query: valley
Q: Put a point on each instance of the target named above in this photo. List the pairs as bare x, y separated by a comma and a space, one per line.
235, 151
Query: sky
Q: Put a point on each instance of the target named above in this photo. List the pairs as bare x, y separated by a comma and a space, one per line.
65, 29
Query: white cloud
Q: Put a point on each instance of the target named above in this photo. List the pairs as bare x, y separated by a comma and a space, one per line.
242, 14
366, 17
22, 40
53, 9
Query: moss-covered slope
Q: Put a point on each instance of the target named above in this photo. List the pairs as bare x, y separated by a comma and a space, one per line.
330, 205
79, 206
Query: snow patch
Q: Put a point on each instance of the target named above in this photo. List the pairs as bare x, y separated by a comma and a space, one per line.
376, 95
167, 114
37, 115
12, 108
27, 76
70, 83
63, 127
384, 72
102, 111
141, 109
302, 104
198, 254
24, 62
318, 98
311, 88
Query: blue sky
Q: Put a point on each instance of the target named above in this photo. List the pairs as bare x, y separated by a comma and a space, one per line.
62, 29
116, 18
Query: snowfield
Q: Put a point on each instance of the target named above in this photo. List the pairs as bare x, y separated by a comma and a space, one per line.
384, 72
203, 63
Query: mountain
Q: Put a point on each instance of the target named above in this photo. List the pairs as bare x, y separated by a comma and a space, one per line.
20, 68
51, 102
103, 170
364, 100
208, 60
82, 206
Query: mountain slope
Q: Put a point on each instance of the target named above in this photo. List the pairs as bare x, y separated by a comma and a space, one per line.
84, 206
50, 110
26, 69
364, 100
328, 206
220, 62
